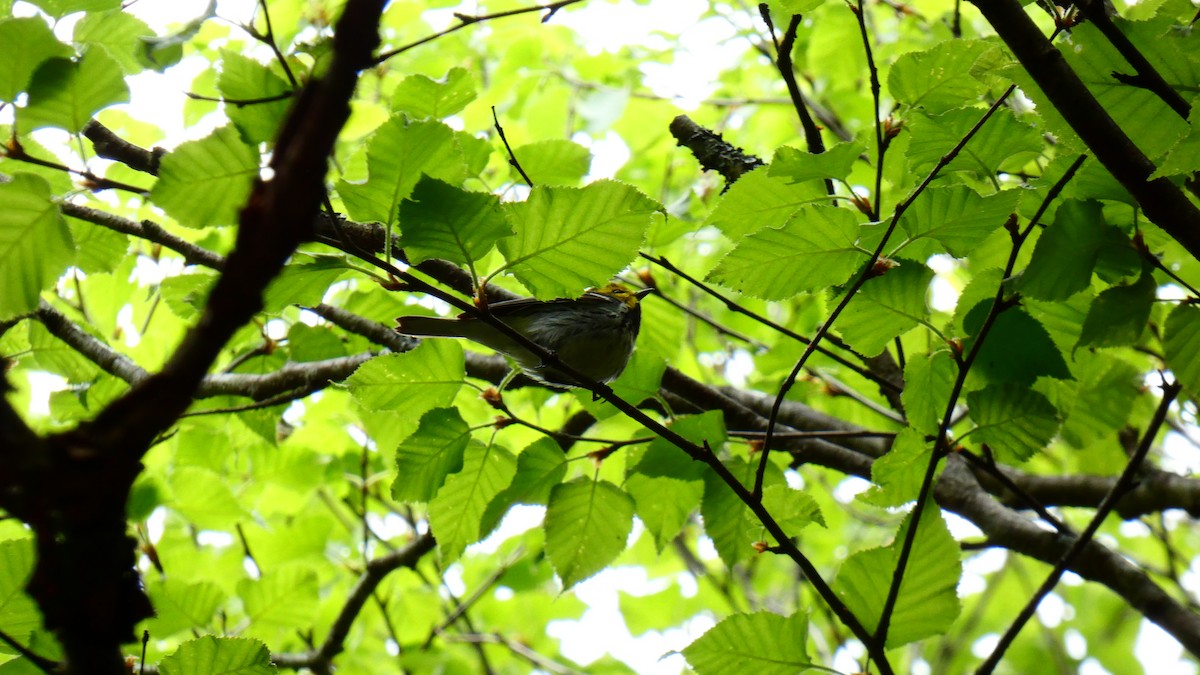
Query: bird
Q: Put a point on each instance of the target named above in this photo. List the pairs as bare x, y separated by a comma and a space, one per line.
593, 334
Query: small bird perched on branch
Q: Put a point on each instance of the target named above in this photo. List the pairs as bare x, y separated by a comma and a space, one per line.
593, 334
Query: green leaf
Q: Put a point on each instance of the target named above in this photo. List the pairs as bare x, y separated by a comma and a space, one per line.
97, 250
456, 512
18, 615
1066, 252
433, 452
162, 52
760, 200
210, 655
186, 294
957, 217
1141, 113
664, 504
643, 375
1014, 420
35, 244
398, 154
203, 497
441, 221
67, 93
314, 343
928, 380
118, 33
182, 605
1118, 316
419, 96
813, 250
244, 79
1183, 156
554, 162
57, 9
781, 9
302, 283
938, 78
282, 598
206, 182
411, 383
540, 467
1003, 142
792, 509
587, 524
568, 239
927, 603
1181, 344
1102, 402
663, 459
886, 307
25, 44
1016, 349
898, 474
800, 166
763, 643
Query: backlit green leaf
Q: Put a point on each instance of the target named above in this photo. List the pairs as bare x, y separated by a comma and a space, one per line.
433, 452
24, 44
927, 603
206, 182
411, 383
398, 154
587, 524
568, 239
1181, 345
35, 244
1118, 315
457, 510
66, 93
762, 642
441, 221
1066, 252
814, 249
1015, 421
209, 654
886, 307
419, 96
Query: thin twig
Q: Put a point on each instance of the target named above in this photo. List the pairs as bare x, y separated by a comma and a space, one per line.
240, 102
269, 38
512, 157
467, 20
15, 151
876, 202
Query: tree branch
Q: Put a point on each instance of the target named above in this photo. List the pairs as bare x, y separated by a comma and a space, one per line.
1160, 199
377, 570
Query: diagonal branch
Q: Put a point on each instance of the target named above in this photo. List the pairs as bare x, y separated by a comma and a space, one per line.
377, 570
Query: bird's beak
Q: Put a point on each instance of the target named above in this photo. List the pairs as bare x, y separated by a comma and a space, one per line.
643, 292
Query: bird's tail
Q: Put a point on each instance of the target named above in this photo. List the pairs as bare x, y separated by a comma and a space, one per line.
423, 326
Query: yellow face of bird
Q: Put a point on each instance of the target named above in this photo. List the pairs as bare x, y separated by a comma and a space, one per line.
618, 292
